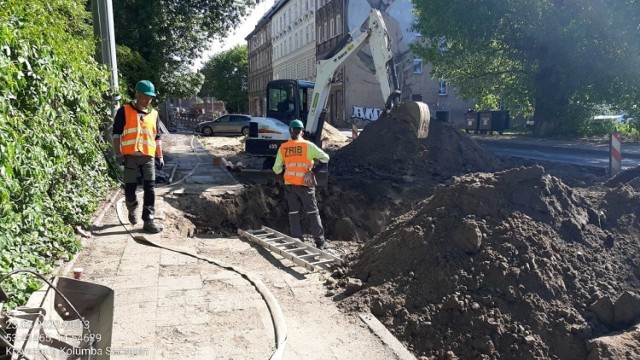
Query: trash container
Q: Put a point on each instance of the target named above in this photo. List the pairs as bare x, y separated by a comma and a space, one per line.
500, 121
484, 121
471, 122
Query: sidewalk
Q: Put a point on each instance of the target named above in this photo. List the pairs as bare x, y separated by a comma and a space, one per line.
173, 306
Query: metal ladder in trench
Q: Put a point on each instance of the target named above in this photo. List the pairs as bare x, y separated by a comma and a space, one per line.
292, 249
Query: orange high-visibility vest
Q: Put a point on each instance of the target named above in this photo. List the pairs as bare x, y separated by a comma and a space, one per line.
296, 164
139, 135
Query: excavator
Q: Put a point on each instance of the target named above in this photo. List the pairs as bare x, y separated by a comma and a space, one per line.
289, 99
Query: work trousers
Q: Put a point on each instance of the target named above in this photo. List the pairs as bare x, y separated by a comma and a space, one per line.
134, 166
302, 198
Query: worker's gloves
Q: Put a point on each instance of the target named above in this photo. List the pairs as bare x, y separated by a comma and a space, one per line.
159, 163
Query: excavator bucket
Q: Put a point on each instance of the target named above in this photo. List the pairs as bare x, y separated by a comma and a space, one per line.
414, 113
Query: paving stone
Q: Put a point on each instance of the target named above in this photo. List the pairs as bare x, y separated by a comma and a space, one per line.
180, 282
134, 281
134, 295
168, 257
131, 267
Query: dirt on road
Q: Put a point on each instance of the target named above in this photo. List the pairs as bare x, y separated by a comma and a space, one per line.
466, 255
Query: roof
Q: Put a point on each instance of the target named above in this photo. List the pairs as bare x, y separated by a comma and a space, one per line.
266, 17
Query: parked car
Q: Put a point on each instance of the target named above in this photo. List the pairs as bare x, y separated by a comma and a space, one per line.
225, 124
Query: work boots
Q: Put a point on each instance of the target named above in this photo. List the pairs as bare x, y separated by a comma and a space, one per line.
133, 219
151, 228
321, 244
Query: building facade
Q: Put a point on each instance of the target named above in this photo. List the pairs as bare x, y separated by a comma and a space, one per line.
363, 97
293, 40
330, 33
259, 47
305, 30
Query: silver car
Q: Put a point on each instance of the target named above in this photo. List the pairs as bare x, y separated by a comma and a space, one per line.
225, 124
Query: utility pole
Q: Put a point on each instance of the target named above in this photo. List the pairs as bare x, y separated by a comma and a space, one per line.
106, 53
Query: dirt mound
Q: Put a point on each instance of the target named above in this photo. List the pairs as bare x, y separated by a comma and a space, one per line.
332, 136
513, 264
386, 171
387, 147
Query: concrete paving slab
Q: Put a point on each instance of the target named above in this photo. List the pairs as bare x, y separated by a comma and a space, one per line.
168, 258
132, 267
134, 295
180, 282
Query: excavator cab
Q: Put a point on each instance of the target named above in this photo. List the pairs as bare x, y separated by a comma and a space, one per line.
287, 99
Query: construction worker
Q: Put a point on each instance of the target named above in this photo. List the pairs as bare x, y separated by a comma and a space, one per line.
137, 145
297, 156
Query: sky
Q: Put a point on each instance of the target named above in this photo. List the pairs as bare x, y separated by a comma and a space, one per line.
237, 36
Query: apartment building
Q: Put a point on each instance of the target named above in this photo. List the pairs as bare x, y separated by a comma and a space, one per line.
260, 50
305, 30
330, 33
293, 40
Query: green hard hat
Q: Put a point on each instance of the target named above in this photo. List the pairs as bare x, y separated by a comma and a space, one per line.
296, 124
146, 87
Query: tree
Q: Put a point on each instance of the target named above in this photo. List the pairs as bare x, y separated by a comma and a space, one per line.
552, 59
169, 35
226, 78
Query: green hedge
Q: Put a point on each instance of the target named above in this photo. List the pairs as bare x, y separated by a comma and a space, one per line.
52, 170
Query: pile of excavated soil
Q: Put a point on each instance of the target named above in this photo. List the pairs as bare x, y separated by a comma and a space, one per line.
387, 170
513, 264
332, 137
388, 149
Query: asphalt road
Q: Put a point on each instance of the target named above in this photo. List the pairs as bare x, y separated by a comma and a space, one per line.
576, 152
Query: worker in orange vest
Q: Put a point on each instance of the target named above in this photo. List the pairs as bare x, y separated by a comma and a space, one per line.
137, 145
297, 157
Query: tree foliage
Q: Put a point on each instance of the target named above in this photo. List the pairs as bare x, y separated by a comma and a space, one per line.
52, 171
226, 76
552, 59
169, 35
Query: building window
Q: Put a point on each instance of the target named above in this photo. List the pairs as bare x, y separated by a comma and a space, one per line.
417, 66
442, 87
324, 33
338, 25
332, 28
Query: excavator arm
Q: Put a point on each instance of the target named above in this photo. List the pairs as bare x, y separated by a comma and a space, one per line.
380, 45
